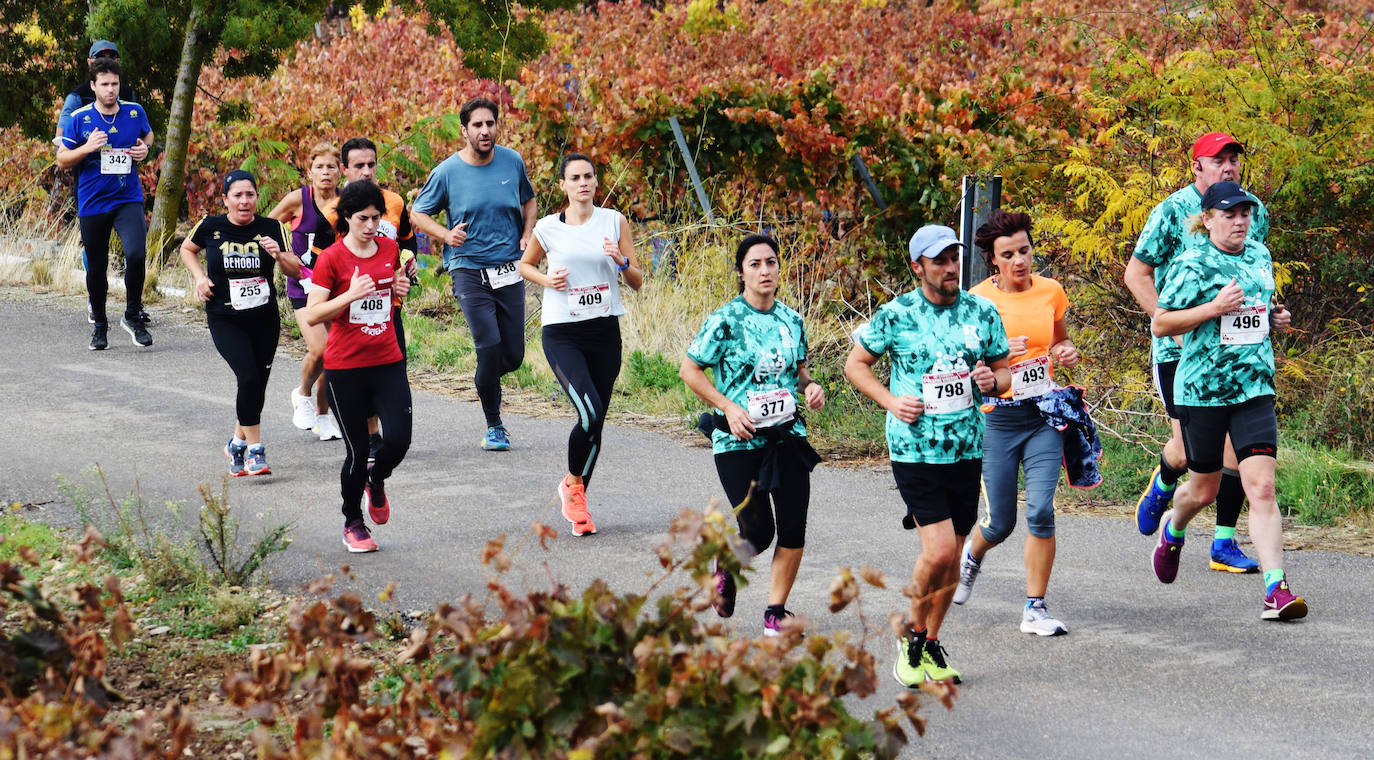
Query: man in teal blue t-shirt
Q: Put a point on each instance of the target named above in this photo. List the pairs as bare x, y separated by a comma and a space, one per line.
489, 204
948, 350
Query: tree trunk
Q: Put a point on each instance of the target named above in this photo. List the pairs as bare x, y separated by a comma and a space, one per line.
171, 181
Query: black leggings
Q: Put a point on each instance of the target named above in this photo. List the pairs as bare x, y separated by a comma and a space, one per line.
585, 357
248, 341
355, 395
127, 221
497, 321
738, 471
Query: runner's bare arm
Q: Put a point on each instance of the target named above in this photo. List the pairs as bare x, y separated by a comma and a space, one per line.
530, 210
288, 208
1180, 321
190, 257
858, 368
741, 424
1140, 280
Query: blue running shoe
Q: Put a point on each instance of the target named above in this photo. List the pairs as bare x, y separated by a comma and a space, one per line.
1228, 558
235, 455
496, 439
1153, 502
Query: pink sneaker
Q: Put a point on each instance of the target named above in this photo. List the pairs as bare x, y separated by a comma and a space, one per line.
1280, 604
1166, 552
357, 539
574, 500
378, 506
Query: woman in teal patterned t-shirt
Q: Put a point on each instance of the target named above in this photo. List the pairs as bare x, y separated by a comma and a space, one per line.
756, 348
1220, 298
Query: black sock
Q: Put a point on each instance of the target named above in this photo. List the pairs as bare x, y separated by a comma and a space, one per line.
1167, 474
776, 610
920, 635
1230, 499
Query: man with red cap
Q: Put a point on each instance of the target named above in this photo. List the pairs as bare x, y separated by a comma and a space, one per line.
1216, 158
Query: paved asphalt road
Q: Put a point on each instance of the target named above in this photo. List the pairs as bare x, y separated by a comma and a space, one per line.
1147, 670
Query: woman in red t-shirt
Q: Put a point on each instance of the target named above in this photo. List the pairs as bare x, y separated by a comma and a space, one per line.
364, 370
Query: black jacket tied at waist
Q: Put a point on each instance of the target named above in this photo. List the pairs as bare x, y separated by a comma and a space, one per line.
780, 444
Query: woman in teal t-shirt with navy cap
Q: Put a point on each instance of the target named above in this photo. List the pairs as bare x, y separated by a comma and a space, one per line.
1220, 299
757, 350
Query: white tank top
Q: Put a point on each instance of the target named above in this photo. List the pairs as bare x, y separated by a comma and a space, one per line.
593, 278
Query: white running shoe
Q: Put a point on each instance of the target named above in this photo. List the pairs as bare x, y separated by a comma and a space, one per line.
1037, 620
326, 428
968, 573
303, 412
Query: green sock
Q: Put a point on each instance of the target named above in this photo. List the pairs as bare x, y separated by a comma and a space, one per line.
1174, 534
1272, 579
1224, 534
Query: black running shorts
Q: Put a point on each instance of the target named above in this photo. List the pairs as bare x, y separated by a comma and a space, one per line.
1164, 386
935, 492
1252, 425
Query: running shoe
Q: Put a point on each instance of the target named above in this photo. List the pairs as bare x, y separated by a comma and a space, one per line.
773, 622
358, 539
1280, 604
303, 412
574, 500
1037, 620
724, 601
100, 339
496, 439
235, 454
326, 428
968, 573
937, 669
137, 331
375, 502
1152, 504
143, 317
1228, 558
909, 667
256, 463
374, 444
1166, 553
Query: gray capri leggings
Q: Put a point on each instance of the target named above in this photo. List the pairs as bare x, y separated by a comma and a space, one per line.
1017, 438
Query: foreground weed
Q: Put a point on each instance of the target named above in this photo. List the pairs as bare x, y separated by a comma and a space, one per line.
219, 532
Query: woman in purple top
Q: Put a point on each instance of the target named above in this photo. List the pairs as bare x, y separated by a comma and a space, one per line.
310, 213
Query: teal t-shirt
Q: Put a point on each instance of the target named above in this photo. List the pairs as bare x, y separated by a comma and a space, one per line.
750, 352
1224, 362
1166, 235
922, 338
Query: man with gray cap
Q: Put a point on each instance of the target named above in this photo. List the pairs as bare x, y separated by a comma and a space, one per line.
948, 349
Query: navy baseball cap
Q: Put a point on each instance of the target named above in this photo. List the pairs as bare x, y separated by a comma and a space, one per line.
1224, 195
932, 240
100, 46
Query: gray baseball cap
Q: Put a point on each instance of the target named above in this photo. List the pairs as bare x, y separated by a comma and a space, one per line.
932, 240
100, 46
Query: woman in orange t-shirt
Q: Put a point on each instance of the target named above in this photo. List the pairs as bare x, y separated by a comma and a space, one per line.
1016, 439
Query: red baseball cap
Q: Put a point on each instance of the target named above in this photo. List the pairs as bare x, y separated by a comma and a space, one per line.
1213, 143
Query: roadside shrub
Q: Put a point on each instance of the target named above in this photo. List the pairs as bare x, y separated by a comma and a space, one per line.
551, 674
53, 653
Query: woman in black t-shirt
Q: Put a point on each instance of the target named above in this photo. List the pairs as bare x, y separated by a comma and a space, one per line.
236, 285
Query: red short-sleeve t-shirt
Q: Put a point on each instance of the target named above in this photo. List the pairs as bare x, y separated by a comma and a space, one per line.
361, 335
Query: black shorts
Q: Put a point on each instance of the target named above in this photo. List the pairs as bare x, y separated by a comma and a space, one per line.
1164, 386
1252, 425
935, 492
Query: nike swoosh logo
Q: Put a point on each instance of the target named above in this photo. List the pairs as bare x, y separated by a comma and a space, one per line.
505, 181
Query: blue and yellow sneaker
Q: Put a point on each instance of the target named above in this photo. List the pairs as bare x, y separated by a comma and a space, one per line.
1153, 502
1228, 558
496, 439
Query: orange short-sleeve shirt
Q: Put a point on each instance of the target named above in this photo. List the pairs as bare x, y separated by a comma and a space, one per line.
1031, 312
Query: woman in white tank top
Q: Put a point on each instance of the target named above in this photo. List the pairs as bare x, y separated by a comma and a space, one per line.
589, 249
